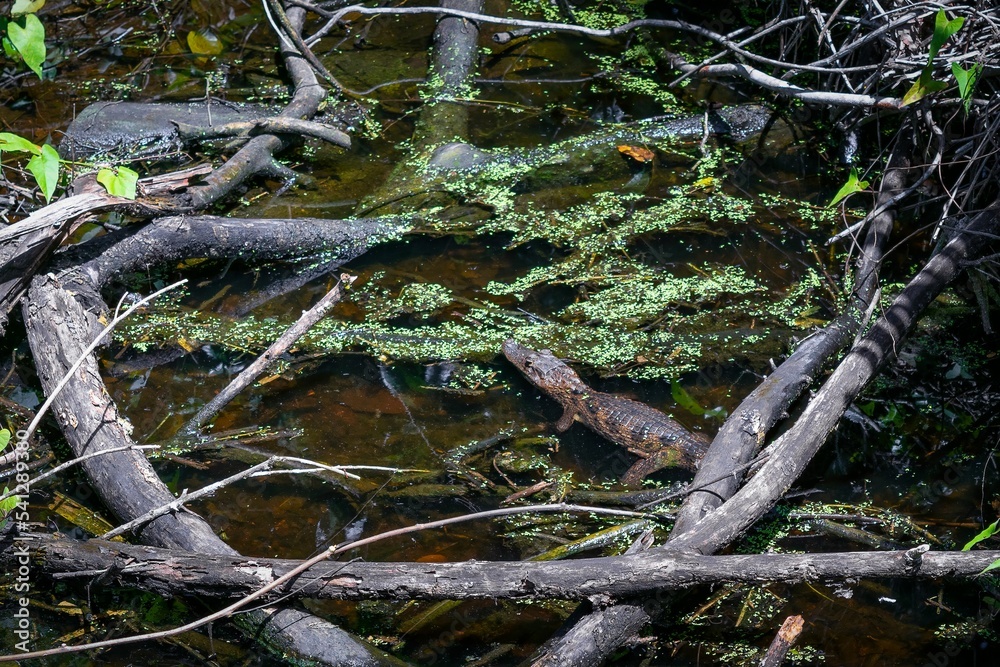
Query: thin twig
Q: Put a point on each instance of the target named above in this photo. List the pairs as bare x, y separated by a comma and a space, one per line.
305, 322
87, 352
254, 471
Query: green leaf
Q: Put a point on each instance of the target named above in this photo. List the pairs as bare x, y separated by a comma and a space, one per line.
922, 87
684, 399
985, 535
204, 43
8, 48
26, 7
4, 439
10, 503
45, 168
15, 144
992, 566
29, 40
120, 182
966, 79
943, 29
849, 188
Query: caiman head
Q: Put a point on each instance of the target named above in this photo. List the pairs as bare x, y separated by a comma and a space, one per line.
543, 369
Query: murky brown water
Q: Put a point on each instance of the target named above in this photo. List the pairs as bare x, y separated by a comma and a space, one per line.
356, 409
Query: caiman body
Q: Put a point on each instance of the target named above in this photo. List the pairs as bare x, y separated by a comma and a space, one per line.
648, 433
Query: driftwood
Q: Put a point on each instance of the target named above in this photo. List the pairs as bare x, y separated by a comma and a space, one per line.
61, 313
174, 572
248, 375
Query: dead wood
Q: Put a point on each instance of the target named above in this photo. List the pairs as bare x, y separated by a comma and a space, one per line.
456, 51
446, 118
227, 576
61, 318
306, 321
26, 245
744, 432
276, 125
792, 452
39, 235
787, 635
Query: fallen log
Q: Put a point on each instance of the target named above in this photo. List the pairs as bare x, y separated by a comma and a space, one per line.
227, 576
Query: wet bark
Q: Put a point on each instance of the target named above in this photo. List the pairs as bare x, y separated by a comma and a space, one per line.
175, 572
745, 431
792, 452
27, 245
442, 119
61, 319
456, 50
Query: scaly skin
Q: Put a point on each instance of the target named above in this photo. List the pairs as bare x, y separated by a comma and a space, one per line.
648, 433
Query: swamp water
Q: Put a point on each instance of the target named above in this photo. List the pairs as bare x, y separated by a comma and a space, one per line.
672, 282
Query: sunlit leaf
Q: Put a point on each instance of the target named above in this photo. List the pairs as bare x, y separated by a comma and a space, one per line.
986, 534
204, 43
4, 439
849, 188
8, 48
966, 79
45, 168
8, 504
120, 182
15, 144
26, 7
922, 87
27, 34
943, 29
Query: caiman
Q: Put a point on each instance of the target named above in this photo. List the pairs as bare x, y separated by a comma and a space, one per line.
658, 440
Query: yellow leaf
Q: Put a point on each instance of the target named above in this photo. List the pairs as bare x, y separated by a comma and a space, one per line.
187, 345
637, 153
204, 43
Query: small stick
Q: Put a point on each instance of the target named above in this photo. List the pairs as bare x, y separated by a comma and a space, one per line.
308, 319
786, 637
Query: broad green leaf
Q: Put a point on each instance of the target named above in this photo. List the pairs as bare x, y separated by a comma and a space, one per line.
4, 439
8, 48
120, 182
26, 7
15, 144
985, 535
45, 168
849, 188
29, 40
922, 87
204, 43
966, 79
943, 29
